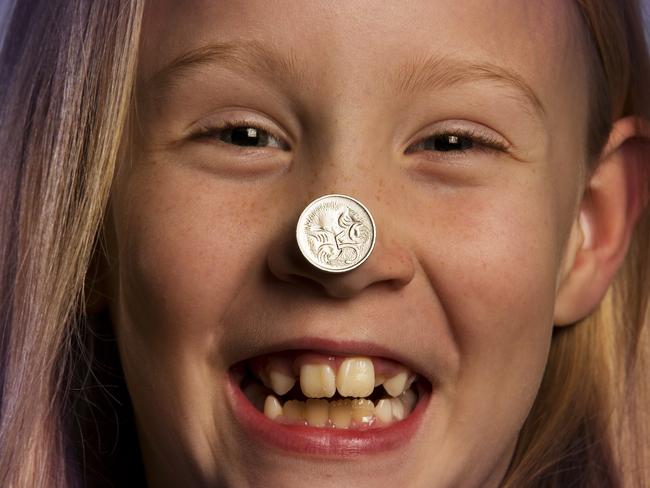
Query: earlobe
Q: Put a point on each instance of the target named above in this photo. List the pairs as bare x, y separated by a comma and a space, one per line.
614, 196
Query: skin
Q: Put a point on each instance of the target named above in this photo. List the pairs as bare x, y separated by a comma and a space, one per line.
479, 253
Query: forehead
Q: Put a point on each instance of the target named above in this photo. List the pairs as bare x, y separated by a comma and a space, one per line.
325, 39
340, 58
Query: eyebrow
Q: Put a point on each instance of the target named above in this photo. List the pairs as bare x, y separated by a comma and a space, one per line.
434, 72
419, 74
252, 56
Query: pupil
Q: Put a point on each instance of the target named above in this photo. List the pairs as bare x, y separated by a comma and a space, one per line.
245, 136
451, 143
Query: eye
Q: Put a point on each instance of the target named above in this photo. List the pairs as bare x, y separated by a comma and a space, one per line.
448, 142
242, 134
459, 141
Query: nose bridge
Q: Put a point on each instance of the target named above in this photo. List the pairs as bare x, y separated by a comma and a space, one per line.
347, 133
349, 153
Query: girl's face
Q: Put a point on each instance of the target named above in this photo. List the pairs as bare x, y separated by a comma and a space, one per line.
460, 125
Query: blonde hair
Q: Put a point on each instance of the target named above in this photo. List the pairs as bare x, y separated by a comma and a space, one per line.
68, 73
591, 418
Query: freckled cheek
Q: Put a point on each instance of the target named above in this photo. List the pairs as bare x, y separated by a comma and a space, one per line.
493, 275
188, 250
494, 272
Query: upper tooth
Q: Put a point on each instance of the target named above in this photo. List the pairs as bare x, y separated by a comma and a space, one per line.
280, 382
356, 377
395, 385
317, 380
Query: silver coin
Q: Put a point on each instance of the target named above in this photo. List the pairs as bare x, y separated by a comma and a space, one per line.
336, 233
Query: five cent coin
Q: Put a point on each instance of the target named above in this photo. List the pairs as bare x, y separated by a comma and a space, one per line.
336, 233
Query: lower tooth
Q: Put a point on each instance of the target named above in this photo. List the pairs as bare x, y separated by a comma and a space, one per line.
384, 411
341, 414
272, 407
363, 411
317, 412
409, 400
398, 409
294, 410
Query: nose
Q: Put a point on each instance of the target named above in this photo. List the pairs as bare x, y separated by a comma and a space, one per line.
390, 264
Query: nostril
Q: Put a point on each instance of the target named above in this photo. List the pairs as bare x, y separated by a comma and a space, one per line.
389, 267
285, 262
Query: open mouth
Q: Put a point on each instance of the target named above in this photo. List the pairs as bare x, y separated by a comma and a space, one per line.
310, 389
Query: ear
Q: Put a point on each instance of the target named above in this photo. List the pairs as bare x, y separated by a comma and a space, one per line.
614, 197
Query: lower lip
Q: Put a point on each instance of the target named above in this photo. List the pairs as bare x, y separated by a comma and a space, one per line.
322, 441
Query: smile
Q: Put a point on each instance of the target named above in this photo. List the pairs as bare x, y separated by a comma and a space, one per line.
326, 403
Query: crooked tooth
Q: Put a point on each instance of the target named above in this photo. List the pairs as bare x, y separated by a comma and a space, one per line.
396, 385
363, 410
384, 410
294, 410
317, 412
379, 380
341, 413
272, 407
398, 409
317, 380
355, 377
280, 383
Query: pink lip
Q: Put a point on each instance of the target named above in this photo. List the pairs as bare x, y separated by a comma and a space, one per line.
325, 442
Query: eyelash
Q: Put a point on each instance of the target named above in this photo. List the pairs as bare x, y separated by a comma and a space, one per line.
479, 141
208, 132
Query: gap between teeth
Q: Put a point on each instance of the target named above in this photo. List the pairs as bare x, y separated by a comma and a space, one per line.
355, 378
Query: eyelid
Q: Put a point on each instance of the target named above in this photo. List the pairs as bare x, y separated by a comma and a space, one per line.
485, 139
209, 129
